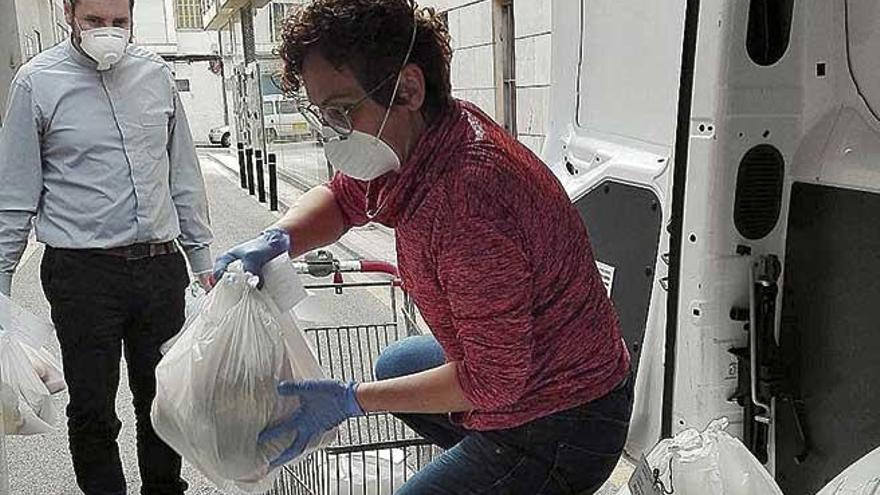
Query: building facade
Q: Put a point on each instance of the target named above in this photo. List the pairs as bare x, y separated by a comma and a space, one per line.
501, 56
501, 60
174, 30
27, 27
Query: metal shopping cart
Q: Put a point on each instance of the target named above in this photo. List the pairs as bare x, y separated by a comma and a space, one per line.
375, 454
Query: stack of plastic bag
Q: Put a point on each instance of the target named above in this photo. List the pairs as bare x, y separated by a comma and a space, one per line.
217, 384
28, 372
708, 462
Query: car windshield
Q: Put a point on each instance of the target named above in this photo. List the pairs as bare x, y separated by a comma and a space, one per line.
286, 107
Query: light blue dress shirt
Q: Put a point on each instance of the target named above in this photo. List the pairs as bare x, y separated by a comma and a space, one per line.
99, 159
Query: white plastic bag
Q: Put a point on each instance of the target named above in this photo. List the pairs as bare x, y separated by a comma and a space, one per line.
861, 478
29, 374
194, 300
47, 366
27, 404
709, 462
374, 472
217, 384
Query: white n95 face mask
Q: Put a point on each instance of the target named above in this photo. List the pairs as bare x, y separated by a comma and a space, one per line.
105, 45
359, 155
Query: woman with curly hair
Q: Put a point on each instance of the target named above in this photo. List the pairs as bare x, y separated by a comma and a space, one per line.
526, 379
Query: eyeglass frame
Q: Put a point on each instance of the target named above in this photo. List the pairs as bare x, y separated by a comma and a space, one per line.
318, 114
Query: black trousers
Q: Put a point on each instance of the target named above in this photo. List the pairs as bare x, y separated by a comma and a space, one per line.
100, 305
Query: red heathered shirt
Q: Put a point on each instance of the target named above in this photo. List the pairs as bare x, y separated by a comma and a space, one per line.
498, 262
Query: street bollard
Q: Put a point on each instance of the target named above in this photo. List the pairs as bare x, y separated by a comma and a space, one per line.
249, 153
261, 177
273, 182
242, 166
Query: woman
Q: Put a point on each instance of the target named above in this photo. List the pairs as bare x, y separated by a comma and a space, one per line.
525, 381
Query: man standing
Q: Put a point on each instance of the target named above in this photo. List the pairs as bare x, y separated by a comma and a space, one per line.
96, 150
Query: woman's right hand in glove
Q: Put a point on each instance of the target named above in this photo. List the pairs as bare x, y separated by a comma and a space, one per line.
254, 254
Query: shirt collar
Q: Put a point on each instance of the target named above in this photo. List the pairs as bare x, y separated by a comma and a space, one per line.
79, 57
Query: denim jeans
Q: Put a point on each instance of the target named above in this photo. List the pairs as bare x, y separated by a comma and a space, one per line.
102, 307
569, 452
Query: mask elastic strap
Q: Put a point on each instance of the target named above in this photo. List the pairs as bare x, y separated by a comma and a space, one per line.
412, 44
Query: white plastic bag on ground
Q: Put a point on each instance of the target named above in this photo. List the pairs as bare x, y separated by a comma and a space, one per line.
217, 384
373, 472
709, 462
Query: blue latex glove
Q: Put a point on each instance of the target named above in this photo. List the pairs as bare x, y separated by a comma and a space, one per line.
255, 253
324, 405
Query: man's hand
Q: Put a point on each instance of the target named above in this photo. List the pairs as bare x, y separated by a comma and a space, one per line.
255, 253
324, 404
206, 280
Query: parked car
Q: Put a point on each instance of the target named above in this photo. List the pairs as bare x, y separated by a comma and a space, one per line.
220, 135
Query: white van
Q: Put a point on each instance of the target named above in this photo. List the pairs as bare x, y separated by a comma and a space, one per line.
725, 157
283, 121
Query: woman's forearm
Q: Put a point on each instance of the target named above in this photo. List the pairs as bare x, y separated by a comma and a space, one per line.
433, 391
314, 221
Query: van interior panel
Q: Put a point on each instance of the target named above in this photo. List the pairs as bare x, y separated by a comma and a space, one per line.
830, 333
624, 227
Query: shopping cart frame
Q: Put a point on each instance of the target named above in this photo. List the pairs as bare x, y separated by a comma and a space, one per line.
349, 352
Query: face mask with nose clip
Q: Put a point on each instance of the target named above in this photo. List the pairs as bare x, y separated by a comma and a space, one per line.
106, 45
361, 155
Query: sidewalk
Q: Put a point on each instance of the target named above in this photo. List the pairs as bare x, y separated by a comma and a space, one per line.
368, 242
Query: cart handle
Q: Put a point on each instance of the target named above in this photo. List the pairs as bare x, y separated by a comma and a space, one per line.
323, 264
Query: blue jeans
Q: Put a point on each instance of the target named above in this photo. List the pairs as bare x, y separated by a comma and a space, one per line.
569, 452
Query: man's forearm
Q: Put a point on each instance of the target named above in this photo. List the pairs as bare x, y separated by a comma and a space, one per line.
433, 391
314, 222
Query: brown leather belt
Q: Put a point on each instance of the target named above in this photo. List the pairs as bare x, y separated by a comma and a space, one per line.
140, 251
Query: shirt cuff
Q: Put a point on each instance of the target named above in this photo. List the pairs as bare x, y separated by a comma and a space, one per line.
200, 260
5, 284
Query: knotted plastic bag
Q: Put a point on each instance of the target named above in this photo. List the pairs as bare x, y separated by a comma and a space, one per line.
708, 462
217, 384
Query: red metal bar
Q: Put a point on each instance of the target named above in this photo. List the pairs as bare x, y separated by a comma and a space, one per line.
379, 267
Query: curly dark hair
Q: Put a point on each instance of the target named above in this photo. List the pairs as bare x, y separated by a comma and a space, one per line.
371, 38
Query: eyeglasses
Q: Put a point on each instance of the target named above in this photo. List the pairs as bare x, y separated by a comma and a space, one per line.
336, 117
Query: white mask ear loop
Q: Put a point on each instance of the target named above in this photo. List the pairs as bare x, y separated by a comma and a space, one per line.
412, 44
371, 214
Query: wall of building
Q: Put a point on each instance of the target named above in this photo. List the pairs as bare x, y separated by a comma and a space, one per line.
154, 25
36, 28
10, 49
155, 28
26, 28
533, 36
473, 25
204, 101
